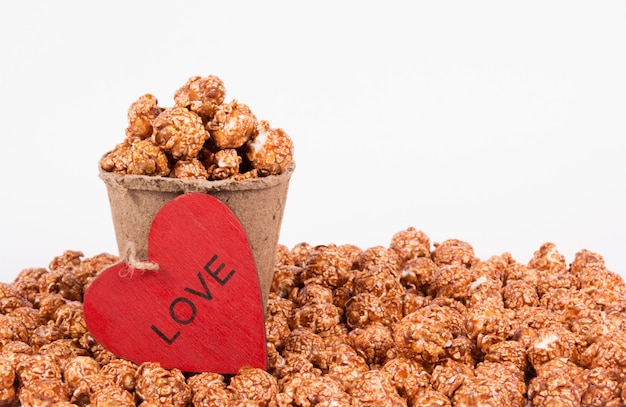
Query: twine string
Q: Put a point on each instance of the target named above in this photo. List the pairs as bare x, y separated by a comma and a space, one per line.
130, 258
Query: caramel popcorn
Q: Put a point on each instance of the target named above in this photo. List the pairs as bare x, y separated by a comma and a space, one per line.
202, 95
223, 164
137, 157
232, 125
270, 151
180, 133
189, 169
410, 244
199, 138
141, 114
166, 387
345, 326
255, 385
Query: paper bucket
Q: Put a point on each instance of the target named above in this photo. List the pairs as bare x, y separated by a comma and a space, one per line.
258, 203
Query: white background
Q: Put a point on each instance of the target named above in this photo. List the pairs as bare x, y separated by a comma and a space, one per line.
498, 123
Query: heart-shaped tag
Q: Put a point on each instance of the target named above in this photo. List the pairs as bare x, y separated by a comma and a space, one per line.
201, 310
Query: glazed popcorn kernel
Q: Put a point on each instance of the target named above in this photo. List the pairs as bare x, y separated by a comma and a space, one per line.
137, 156
407, 375
518, 294
209, 390
410, 243
375, 388
452, 281
189, 169
253, 384
180, 133
449, 375
160, 385
43, 391
121, 372
141, 114
202, 95
223, 164
270, 151
372, 343
453, 251
327, 265
232, 125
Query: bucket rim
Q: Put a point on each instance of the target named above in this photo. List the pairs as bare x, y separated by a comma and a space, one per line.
166, 184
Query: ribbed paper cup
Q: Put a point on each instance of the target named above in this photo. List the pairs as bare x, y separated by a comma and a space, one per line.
258, 203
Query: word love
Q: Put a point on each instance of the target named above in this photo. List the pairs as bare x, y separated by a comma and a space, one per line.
201, 311
190, 315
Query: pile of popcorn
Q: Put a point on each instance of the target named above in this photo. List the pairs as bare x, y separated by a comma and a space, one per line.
408, 324
200, 137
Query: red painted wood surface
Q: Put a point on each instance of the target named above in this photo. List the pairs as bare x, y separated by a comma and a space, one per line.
201, 310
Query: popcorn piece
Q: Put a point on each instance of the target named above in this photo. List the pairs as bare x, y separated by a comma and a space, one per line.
313, 293
223, 164
162, 386
518, 294
327, 265
554, 385
344, 365
62, 350
270, 151
87, 386
201, 95
43, 391
121, 372
453, 251
141, 114
137, 157
232, 125
424, 334
322, 316
189, 169
252, 384
487, 324
552, 343
380, 258
276, 329
452, 281
112, 395
548, 260
300, 252
602, 387
285, 280
62, 282
77, 368
363, 309
306, 389
417, 273
305, 342
378, 281
375, 388
509, 351
283, 256
408, 376
449, 375
37, 367
429, 397
209, 390
70, 319
410, 244
27, 285
180, 133
372, 343
7, 378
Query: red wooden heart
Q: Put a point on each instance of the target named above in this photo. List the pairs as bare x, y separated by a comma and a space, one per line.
201, 310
